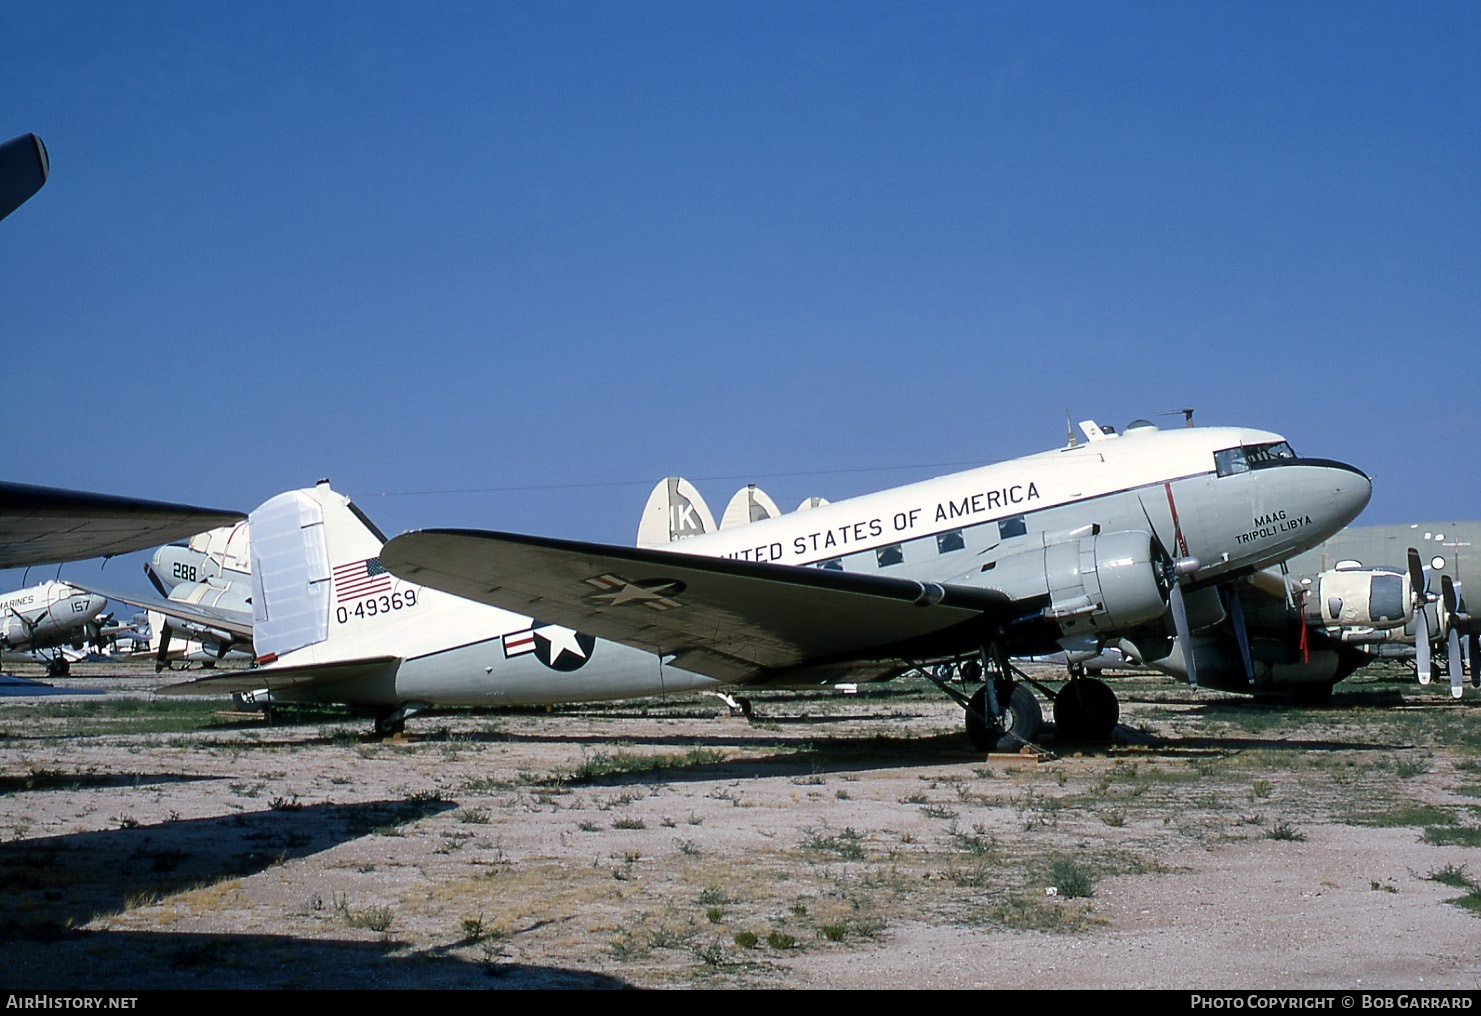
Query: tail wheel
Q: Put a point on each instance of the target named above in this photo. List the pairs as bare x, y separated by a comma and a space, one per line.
1021, 720
1085, 710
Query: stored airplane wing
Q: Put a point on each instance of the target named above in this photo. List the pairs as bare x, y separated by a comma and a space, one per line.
737, 621
24, 167
45, 525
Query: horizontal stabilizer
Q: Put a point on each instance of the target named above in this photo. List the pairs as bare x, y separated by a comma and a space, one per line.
236, 622
279, 679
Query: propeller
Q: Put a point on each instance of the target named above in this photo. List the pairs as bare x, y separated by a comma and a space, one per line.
1450, 623
1419, 581
1461, 618
1175, 570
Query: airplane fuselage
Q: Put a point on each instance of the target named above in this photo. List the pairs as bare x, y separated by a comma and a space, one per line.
1445, 548
1234, 499
47, 615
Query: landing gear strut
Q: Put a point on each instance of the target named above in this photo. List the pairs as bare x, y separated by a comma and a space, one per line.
1018, 721
1005, 720
393, 721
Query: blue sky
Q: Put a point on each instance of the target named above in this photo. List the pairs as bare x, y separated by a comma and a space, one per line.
506, 265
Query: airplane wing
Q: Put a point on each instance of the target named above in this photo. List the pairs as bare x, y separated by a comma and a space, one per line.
237, 622
280, 679
733, 620
45, 525
24, 167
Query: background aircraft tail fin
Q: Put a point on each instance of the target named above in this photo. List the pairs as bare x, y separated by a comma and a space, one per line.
749, 504
674, 511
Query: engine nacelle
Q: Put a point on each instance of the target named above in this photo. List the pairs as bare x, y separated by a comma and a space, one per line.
1099, 583
1279, 664
1374, 598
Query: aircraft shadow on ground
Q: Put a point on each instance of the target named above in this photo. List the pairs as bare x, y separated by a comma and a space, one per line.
48, 779
57, 883
123, 960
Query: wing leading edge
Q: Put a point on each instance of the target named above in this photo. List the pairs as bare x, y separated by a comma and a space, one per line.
737, 621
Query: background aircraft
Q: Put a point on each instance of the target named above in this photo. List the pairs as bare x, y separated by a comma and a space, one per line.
48, 616
1398, 589
1367, 592
1132, 538
204, 608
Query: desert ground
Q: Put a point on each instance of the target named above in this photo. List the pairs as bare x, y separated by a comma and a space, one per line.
828, 841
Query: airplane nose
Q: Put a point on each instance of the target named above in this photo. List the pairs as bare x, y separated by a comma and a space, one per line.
1351, 490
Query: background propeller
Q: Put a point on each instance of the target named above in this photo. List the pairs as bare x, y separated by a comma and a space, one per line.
1419, 582
1451, 622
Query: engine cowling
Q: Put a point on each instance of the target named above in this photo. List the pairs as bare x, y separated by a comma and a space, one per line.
1104, 582
1375, 598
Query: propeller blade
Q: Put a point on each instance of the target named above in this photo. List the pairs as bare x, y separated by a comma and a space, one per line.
1417, 577
1234, 606
1474, 646
1180, 624
1457, 676
162, 659
1419, 582
1422, 645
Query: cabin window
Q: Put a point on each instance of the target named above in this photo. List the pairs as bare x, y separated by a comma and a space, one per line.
893, 554
949, 541
832, 564
1013, 525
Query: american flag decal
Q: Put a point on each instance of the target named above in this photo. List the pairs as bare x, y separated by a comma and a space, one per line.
359, 579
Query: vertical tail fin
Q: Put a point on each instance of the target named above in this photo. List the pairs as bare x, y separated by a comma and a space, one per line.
674, 511
290, 573
317, 578
748, 505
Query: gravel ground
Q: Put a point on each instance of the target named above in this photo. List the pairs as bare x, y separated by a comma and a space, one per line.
828, 842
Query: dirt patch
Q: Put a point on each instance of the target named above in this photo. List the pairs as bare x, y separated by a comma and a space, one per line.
830, 841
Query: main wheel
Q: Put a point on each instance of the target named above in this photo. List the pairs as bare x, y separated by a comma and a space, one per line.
1085, 710
1020, 722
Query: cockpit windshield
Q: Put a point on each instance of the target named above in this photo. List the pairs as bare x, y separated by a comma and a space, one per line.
1247, 457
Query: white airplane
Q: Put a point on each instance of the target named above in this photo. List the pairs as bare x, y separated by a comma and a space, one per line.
48, 616
1125, 539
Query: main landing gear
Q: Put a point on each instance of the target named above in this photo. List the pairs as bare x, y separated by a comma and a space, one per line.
1010, 718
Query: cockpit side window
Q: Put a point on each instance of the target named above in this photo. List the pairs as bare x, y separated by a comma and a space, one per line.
1230, 461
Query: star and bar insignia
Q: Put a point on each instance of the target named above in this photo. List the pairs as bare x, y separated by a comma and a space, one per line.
616, 591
